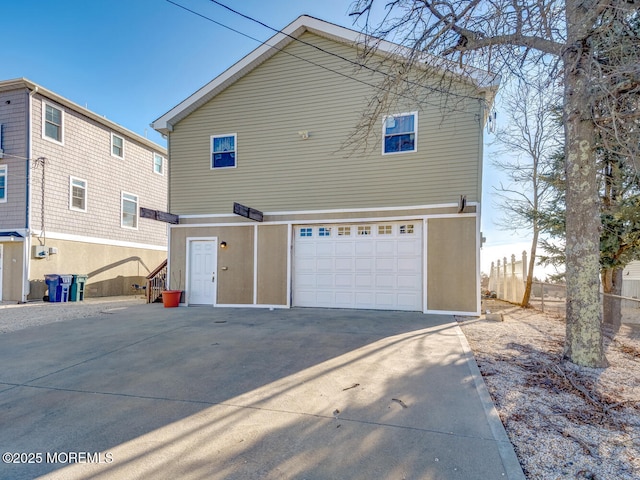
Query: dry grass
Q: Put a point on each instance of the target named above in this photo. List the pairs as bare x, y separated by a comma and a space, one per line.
565, 421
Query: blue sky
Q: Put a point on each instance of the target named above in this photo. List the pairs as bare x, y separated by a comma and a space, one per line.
133, 60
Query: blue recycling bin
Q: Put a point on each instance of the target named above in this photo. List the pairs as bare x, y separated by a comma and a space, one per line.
53, 282
64, 286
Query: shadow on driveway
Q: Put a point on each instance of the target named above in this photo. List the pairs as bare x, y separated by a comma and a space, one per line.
205, 393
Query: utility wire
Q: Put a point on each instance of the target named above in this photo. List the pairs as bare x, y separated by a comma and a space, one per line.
375, 86
357, 64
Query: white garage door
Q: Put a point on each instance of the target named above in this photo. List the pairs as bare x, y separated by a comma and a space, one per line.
377, 266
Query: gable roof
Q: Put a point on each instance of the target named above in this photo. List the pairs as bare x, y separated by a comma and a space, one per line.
16, 83
290, 33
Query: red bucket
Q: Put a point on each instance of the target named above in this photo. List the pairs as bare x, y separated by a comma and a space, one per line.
171, 298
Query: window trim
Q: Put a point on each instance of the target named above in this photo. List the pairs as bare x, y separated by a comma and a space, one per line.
235, 150
157, 155
415, 132
137, 216
46, 137
4, 169
86, 194
115, 135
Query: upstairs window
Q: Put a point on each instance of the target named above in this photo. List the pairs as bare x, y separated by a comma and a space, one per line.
52, 123
129, 211
158, 164
3, 183
223, 151
77, 194
399, 133
117, 146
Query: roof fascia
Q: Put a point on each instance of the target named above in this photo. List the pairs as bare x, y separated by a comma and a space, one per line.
16, 83
304, 23
164, 124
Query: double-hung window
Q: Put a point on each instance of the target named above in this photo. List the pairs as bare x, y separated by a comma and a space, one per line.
400, 133
117, 146
77, 194
52, 123
3, 183
223, 151
158, 164
129, 211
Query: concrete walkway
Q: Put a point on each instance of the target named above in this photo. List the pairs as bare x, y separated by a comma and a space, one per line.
202, 393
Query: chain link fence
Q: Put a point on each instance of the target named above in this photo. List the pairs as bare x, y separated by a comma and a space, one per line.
552, 298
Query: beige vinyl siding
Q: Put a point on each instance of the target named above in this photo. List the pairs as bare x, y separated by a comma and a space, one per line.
277, 170
13, 117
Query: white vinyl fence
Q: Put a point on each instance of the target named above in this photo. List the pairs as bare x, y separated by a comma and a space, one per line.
508, 279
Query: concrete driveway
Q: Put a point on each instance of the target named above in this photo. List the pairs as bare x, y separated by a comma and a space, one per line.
202, 393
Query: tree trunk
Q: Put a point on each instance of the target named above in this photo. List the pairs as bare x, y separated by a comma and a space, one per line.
612, 307
584, 341
526, 298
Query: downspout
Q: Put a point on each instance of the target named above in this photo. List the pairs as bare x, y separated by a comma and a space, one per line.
26, 284
481, 124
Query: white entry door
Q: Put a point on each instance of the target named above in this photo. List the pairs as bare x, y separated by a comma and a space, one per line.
375, 266
203, 272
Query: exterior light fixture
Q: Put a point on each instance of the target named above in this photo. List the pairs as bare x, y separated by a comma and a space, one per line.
223, 245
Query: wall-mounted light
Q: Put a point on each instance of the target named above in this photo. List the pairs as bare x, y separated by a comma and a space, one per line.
304, 134
223, 245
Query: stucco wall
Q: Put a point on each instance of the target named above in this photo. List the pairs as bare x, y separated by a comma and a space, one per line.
452, 273
112, 270
235, 275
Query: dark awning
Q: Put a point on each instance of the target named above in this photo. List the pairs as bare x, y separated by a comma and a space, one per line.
10, 234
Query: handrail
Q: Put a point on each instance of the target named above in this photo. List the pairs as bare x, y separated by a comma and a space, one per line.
156, 282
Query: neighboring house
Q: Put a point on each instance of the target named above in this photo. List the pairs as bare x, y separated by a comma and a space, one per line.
379, 227
71, 185
631, 281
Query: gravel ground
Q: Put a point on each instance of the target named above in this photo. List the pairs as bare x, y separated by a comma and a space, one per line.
16, 317
565, 421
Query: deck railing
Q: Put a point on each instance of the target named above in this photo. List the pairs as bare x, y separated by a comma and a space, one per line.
156, 283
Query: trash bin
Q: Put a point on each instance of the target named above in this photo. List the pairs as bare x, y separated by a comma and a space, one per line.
63, 287
53, 281
76, 292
